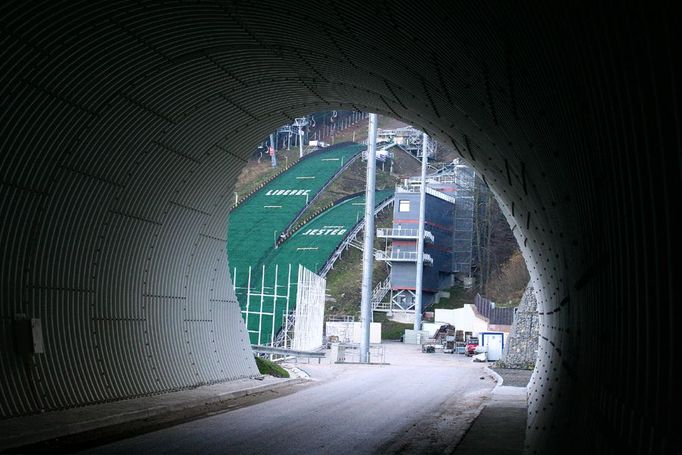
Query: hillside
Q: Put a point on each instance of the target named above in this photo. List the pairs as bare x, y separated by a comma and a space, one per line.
344, 280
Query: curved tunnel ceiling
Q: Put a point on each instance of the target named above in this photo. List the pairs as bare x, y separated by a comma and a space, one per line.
125, 124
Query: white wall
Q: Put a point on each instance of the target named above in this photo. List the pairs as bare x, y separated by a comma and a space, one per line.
462, 318
431, 327
309, 310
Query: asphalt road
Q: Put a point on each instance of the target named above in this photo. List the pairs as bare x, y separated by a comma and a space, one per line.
420, 403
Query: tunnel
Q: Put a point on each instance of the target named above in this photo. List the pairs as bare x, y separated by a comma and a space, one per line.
124, 125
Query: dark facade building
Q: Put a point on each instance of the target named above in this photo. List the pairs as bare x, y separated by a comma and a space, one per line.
447, 235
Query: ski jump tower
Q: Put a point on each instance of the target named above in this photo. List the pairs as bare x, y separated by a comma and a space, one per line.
448, 236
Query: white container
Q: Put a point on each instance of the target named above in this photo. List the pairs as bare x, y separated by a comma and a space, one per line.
494, 344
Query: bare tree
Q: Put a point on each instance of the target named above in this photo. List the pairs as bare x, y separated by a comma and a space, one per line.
494, 242
507, 285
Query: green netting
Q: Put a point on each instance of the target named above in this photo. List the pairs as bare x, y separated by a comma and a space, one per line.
255, 224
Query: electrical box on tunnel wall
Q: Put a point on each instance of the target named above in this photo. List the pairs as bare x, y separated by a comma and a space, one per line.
28, 336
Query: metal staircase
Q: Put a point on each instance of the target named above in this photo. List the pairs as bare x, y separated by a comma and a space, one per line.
286, 334
380, 292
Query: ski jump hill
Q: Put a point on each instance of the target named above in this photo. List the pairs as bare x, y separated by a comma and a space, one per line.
265, 251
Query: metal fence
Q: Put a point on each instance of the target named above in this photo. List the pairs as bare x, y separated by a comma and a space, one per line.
350, 353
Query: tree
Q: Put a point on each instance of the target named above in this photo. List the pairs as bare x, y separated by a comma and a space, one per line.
494, 243
509, 282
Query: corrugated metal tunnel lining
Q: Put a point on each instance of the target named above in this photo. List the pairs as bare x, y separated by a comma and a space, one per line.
125, 124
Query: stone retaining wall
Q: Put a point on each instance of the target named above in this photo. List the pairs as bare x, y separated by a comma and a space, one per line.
522, 345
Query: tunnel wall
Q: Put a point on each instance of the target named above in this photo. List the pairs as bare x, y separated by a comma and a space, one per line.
125, 124
114, 217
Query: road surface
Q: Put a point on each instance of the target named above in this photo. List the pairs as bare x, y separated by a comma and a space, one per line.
420, 403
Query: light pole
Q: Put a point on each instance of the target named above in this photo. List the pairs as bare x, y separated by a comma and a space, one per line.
368, 249
420, 238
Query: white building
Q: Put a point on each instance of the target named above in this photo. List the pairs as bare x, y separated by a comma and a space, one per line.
473, 319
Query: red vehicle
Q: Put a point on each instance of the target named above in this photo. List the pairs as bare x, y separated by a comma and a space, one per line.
470, 348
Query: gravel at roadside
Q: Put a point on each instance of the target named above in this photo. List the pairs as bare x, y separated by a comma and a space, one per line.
513, 377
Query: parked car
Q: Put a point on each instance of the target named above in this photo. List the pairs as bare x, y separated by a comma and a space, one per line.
472, 344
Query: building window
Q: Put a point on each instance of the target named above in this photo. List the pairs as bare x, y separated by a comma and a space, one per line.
404, 206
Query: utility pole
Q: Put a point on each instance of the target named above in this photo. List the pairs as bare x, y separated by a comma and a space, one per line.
368, 249
420, 238
273, 157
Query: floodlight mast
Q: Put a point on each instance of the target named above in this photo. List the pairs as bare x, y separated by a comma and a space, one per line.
368, 249
418, 304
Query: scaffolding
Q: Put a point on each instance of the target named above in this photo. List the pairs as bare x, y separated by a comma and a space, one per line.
285, 336
288, 314
463, 229
409, 139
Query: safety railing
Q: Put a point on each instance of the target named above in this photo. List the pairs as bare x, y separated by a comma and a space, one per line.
402, 233
401, 256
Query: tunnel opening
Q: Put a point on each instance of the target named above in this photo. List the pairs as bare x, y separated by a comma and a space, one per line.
224, 195
497, 270
259, 185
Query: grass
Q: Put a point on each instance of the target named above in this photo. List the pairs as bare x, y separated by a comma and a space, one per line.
254, 172
344, 284
509, 304
391, 330
458, 297
344, 281
267, 367
351, 181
